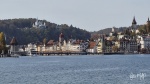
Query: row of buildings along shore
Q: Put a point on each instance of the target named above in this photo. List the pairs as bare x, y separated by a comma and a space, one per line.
113, 43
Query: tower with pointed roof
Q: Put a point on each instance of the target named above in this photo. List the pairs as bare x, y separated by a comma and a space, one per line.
61, 39
148, 22
134, 24
148, 25
13, 44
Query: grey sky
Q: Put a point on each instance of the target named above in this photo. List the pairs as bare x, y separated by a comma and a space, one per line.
91, 15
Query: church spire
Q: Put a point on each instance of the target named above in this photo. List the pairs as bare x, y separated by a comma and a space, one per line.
134, 21
148, 19
148, 22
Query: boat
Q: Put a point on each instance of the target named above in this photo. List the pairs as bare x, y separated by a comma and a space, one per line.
14, 55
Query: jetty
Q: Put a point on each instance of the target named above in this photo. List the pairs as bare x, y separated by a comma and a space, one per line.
63, 53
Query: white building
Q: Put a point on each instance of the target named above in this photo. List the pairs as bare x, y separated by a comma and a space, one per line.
39, 24
145, 42
73, 46
92, 48
100, 45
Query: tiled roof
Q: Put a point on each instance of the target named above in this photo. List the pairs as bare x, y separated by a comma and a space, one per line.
13, 41
134, 21
92, 44
50, 42
74, 42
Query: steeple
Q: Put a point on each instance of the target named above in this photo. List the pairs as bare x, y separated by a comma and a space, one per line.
148, 22
134, 21
13, 41
148, 19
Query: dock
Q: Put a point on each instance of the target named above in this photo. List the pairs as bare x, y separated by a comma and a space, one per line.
63, 53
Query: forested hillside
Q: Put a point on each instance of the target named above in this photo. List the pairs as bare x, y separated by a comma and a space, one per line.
24, 32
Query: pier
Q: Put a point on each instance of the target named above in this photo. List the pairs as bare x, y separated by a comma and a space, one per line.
63, 53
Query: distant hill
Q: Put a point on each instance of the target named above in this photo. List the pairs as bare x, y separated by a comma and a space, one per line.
24, 32
108, 30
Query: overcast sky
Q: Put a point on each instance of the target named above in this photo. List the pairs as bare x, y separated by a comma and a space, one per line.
91, 15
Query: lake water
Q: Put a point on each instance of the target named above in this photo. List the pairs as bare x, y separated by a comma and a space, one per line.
102, 69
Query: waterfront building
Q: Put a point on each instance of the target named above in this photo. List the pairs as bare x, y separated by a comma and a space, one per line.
83, 45
68, 45
64, 46
74, 45
14, 46
145, 42
117, 44
108, 46
100, 45
124, 45
92, 48
31, 47
133, 46
145, 39
128, 45
51, 46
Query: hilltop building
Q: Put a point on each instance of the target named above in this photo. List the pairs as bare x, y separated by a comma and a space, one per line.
112, 32
39, 24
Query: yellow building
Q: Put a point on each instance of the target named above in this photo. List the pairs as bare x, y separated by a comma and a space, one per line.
100, 46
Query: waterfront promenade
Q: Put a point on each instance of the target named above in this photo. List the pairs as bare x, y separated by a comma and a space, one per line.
64, 53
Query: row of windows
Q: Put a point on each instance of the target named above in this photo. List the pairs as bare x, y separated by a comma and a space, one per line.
133, 43
147, 39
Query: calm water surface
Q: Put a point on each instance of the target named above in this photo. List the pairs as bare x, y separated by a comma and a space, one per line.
113, 69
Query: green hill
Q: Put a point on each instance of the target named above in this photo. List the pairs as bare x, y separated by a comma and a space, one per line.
24, 32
